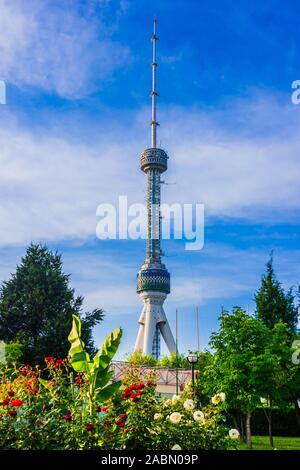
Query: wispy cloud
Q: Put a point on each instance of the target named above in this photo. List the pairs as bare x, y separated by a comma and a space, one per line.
56, 47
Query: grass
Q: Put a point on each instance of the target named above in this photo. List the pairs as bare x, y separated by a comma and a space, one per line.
280, 443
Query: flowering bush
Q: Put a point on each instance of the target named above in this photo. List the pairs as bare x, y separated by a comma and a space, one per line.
47, 413
58, 407
71, 404
49, 409
154, 423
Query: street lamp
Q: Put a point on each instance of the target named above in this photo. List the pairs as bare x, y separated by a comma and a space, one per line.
193, 359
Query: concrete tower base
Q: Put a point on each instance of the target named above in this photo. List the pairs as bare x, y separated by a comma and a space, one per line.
153, 314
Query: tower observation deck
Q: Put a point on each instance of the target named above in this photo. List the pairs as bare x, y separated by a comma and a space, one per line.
153, 279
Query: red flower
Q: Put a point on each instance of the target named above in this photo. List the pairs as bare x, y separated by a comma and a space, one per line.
101, 409
30, 382
120, 423
16, 402
123, 416
59, 363
10, 393
12, 413
51, 383
46, 406
6, 401
31, 373
49, 359
128, 391
24, 371
136, 396
89, 426
78, 380
68, 417
137, 386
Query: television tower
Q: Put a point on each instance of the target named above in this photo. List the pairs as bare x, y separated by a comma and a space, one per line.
153, 279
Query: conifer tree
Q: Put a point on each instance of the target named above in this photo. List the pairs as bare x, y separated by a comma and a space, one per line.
36, 307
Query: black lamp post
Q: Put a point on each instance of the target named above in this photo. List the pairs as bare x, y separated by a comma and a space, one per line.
193, 359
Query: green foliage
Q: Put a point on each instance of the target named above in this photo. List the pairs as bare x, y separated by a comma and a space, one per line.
251, 363
137, 358
172, 361
96, 370
13, 353
240, 340
36, 307
273, 304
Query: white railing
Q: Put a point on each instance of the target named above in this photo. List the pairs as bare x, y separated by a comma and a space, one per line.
164, 375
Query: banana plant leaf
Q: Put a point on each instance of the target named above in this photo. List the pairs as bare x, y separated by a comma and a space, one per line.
105, 393
79, 358
107, 351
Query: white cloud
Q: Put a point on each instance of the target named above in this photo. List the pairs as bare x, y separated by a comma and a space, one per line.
52, 182
52, 46
241, 162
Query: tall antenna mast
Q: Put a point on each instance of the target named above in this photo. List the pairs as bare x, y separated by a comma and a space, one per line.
154, 123
198, 334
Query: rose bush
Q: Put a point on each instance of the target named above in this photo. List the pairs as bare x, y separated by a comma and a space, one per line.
54, 413
154, 423
72, 404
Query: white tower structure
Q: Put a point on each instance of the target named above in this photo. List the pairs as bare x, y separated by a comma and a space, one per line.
153, 279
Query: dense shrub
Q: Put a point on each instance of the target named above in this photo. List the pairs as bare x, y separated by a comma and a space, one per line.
49, 408
284, 423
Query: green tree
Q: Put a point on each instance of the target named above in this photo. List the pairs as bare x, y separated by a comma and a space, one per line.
36, 307
205, 359
273, 373
138, 358
273, 304
232, 369
172, 361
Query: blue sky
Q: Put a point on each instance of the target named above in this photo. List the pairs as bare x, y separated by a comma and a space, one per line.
77, 118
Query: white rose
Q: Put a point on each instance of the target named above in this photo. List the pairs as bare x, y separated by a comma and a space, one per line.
157, 416
218, 398
189, 404
234, 434
198, 415
175, 417
175, 398
176, 447
168, 402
